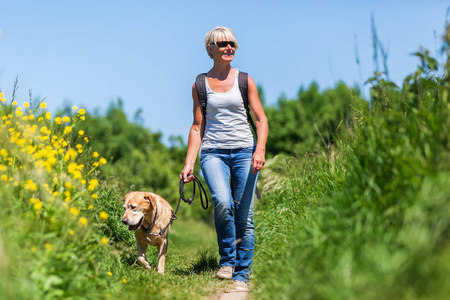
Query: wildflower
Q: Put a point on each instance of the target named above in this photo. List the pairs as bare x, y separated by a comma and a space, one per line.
67, 129
75, 211
4, 178
43, 105
67, 185
30, 185
83, 221
86, 139
124, 280
2, 97
94, 196
74, 108
81, 132
33, 249
4, 153
26, 104
14, 103
104, 241
92, 184
82, 118
41, 119
102, 215
109, 273
48, 115
91, 206
81, 111
49, 247
37, 205
83, 181
66, 119
71, 232
102, 161
95, 155
58, 120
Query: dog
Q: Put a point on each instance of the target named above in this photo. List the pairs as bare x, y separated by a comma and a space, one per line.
148, 214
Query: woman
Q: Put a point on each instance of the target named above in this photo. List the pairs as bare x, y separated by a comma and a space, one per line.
228, 150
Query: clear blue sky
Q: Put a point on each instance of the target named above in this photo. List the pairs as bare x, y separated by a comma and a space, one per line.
90, 52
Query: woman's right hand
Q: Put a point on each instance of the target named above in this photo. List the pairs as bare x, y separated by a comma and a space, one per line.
188, 173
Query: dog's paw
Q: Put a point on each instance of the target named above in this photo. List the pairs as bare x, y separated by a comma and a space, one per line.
144, 263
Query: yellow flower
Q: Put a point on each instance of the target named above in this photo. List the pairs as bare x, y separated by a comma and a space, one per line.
48, 116
91, 206
49, 247
81, 132
71, 232
26, 104
83, 221
102, 161
102, 215
94, 196
81, 111
67, 185
92, 184
109, 273
58, 120
95, 155
86, 139
104, 241
74, 108
75, 211
43, 105
83, 181
124, 280
4, 177
33, 249
67, 129
82, 118
14, 103
37, 205
4, 153
66, 119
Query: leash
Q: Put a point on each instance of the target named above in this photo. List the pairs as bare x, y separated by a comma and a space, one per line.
189, 201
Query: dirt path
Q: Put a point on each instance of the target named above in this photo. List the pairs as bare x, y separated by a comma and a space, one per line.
234, 295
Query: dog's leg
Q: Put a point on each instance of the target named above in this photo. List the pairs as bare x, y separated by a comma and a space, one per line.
142, 250
162, 250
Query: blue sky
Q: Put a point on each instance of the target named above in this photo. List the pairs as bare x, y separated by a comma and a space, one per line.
90, 52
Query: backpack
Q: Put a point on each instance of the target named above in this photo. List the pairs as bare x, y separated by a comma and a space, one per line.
243, 88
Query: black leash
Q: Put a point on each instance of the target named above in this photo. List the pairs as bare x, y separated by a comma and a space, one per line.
189, 201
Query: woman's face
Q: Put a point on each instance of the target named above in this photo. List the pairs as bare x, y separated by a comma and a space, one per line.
223, 51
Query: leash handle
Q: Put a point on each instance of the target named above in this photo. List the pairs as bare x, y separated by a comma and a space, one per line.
191, 200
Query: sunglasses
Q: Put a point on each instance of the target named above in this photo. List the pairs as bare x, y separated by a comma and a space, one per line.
225, 44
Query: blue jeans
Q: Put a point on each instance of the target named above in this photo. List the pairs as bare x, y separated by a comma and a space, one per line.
233, 205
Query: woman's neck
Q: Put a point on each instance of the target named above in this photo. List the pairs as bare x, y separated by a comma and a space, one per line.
220, 71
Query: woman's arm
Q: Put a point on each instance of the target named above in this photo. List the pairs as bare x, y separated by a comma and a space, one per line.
195, 139
262, 127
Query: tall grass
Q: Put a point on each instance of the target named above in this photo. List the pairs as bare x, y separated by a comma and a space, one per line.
369, 219
60, 230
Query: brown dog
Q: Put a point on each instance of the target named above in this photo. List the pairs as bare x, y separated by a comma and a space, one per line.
147, 214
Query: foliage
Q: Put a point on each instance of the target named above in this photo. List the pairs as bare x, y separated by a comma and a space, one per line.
60, 232
297, 125
368, 218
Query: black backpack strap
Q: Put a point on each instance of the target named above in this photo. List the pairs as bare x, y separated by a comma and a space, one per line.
201, 91
243, 87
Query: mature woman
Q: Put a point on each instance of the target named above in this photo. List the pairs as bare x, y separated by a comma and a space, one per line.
229, 149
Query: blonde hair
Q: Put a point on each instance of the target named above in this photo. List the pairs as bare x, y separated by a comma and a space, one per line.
216, 34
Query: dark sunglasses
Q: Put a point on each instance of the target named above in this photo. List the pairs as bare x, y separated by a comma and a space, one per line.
225, 44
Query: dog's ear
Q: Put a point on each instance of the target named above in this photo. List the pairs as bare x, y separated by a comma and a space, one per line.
151, 199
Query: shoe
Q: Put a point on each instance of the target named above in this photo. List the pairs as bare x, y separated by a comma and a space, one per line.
225, 273
240, 286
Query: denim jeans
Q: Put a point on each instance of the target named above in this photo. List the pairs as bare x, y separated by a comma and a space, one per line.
233, 205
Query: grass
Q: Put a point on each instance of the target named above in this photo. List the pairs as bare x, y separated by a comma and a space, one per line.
368, 218
61, 235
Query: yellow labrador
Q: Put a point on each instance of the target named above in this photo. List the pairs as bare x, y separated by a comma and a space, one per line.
150, 217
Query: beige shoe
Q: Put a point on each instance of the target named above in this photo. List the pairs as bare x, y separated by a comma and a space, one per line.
225, 273
240, 286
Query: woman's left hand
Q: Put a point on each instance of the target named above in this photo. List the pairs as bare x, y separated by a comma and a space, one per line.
258, 160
